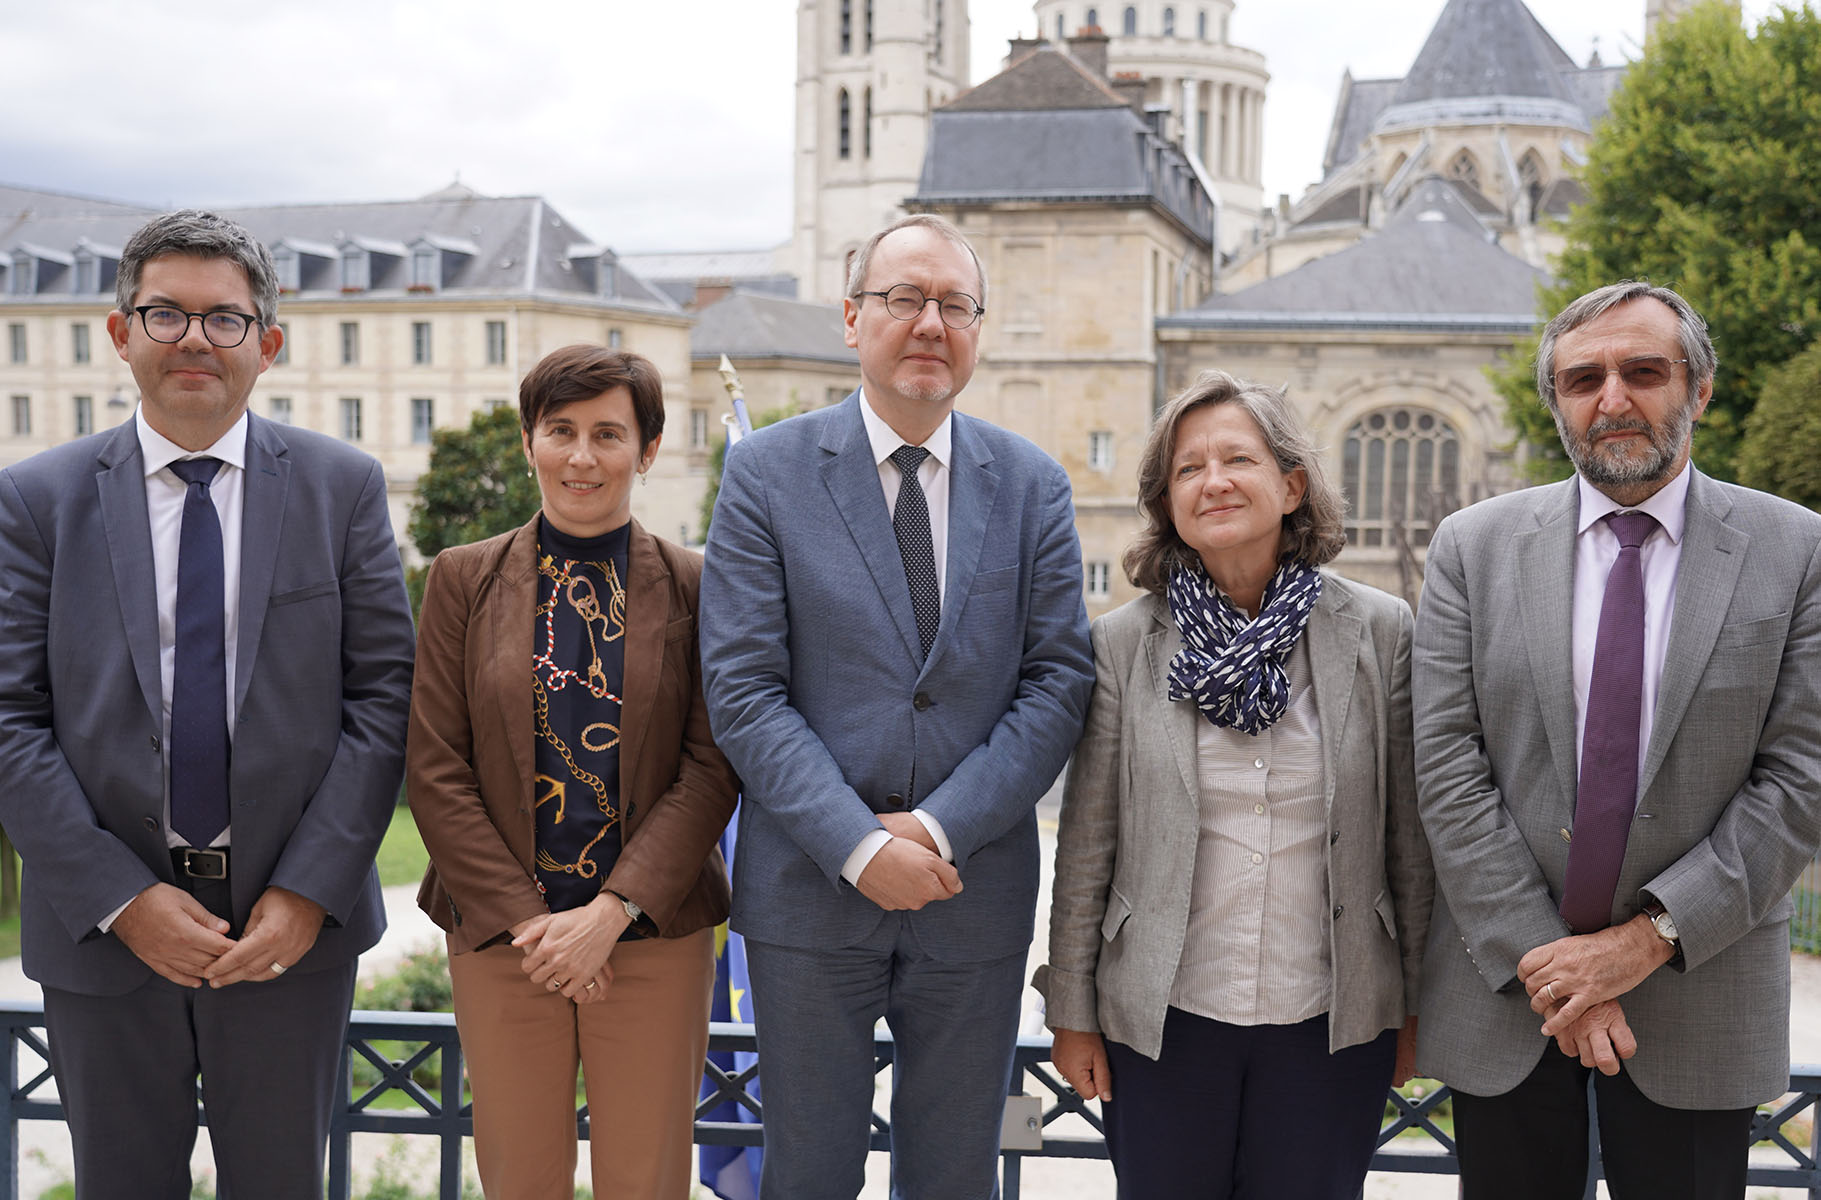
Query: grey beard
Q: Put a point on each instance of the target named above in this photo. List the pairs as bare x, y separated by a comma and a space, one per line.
1603, 470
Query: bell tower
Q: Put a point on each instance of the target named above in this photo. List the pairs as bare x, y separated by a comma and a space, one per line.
868, 73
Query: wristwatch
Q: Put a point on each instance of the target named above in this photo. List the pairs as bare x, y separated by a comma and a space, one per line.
635, 912
1665, 925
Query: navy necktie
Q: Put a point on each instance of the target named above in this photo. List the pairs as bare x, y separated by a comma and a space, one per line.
199, 681
910, 521
1608, 791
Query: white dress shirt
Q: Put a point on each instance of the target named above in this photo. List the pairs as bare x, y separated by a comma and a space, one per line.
1596, 548
933, 477
1256, 949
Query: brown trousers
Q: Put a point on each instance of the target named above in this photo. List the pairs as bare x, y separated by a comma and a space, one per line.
640, 1051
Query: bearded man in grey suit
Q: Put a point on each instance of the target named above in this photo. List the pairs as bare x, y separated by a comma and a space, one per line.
896, 662
1619, 791
205, 668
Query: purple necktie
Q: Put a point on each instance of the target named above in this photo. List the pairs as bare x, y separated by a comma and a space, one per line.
199, 681
1608, 792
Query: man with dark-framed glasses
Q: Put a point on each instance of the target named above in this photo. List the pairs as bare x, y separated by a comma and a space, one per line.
205, 666
896, 661
1616, 680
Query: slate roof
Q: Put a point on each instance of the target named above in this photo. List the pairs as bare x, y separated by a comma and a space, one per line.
748, 325
1357, 110
1046, 130
1433, 264
1486, 48
520, 244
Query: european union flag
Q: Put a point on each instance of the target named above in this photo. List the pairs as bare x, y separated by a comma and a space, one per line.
731, 1172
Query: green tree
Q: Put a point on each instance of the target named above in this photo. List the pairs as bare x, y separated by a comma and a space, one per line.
1704, 178
1781, 450
476, 486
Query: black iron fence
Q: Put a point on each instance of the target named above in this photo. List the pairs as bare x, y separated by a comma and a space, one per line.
414, 1060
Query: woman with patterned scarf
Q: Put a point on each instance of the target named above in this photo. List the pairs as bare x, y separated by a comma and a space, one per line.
1242, 887
561, 769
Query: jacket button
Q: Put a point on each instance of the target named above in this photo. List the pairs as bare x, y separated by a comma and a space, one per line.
921, 702
894, 801
1334, 837
151, 823
1338, 910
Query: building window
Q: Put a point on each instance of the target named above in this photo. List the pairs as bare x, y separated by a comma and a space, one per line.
843, 119
495, 403
1169, 22
869, 26
866, 126
423, 419
15, 336
280, 408
1062, 29
1464, 168
289, 271
614, 338
1130, 27
423, 268
79, 342
22, 416
1093, 18
25, 275
84, 415
1401, 467
1100, 450
355, 270
847, 26
939, 30
350, 343
1201, 24
284, 345
1100, 580
698, 429
496, 343
350, 418
420, 343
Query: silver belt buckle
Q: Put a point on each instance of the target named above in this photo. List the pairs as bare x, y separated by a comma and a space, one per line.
205, 864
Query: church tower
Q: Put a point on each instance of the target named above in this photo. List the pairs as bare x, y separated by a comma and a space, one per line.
868, 73
1215, 91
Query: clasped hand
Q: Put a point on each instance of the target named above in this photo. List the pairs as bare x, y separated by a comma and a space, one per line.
187, 944
1575, 984
907, 873
571, 949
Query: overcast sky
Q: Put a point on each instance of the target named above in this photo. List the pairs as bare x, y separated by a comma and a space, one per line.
651, 125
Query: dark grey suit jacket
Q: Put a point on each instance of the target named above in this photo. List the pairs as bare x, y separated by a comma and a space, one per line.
1729, 801
322, 683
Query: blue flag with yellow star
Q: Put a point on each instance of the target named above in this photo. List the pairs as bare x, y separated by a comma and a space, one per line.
731, 1172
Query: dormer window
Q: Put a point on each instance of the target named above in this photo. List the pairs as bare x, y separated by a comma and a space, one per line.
426, 266
37, 269
596, 268
355, 270
304, 266
372, 263
284, 262
435, 260
96, 267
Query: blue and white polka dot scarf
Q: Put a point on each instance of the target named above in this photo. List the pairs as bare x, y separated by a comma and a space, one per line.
1232, 667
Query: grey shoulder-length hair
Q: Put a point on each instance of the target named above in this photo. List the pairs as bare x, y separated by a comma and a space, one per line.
1312, 534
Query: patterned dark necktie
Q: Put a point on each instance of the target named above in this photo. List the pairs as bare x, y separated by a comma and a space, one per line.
1608, 790
910, 521
199, 681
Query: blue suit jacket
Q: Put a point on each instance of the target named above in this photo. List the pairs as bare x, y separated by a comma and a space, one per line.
322, 683
818, 697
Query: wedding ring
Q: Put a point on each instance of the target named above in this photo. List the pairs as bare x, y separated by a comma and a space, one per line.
1550, 988
590, 986
278, 968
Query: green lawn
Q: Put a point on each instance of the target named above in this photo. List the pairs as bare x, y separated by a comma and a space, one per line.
402, 856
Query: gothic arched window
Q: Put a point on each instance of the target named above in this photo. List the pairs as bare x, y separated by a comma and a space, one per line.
1401, 472
1169, 22
1131, 21
1201, 24
1533, 175
1062, 29
843, 124
847, 26
866, 125
1465, 168
1093, 18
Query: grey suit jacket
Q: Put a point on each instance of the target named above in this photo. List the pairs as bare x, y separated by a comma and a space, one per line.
1729, 802
1131, 816
322, 681
819, 696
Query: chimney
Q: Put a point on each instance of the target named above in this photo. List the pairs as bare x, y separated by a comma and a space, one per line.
1130, 87
1022, 46
1089, 48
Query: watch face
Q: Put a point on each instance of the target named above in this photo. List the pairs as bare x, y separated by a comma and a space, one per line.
1666, 927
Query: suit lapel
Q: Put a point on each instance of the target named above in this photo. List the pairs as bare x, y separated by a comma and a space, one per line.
647, 622
852, 479
1545, 558
972, 486
1334, 642
1706, 575
266, 485
1180, 722
120, 487
509, 669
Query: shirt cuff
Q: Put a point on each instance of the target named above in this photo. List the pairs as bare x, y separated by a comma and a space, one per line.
862, 854
106, 923
935, 831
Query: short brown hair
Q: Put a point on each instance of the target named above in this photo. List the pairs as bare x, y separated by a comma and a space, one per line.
582, 372
1312, 534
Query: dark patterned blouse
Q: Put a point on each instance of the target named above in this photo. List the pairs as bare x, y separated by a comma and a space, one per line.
578, 669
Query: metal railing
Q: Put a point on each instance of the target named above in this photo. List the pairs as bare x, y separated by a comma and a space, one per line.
394, 1046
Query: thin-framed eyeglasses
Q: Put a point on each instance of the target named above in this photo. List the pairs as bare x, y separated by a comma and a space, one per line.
1646, 373
224, 327
905, 301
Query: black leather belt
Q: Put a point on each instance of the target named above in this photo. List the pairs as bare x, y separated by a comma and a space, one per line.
200, 864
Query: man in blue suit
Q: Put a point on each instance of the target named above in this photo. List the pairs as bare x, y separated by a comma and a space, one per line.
205, 666
896, 660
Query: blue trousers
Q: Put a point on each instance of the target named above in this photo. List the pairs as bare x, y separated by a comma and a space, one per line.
1245, 1112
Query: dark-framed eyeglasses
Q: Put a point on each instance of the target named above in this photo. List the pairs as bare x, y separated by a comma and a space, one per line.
1646, 373
905, 301
224, 327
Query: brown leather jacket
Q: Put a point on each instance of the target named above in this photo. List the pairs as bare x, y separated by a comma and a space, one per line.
469, 758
